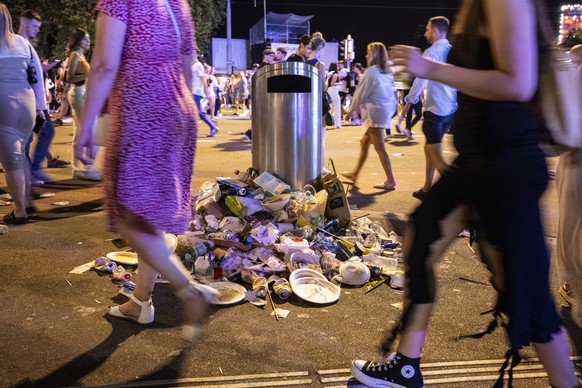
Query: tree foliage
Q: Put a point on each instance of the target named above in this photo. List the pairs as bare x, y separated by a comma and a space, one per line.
61, 17
208, 17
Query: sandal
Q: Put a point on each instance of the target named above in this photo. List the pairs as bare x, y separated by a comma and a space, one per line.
11, 219
191, 331
384, 186
145, 317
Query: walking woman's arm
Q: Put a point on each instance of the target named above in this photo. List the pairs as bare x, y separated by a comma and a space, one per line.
110, 34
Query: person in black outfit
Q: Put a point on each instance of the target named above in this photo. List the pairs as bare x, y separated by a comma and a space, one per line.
500, 174
303, 50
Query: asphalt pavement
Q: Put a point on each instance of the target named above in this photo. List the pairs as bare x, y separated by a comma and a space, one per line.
53, 331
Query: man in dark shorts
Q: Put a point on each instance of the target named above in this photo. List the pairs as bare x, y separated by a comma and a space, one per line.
440, 103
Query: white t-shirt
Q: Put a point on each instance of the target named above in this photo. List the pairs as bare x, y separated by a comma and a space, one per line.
198, 77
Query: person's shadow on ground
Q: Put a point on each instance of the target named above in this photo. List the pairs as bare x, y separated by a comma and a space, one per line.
75, 370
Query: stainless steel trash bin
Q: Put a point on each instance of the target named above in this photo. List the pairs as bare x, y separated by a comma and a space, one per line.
287, 122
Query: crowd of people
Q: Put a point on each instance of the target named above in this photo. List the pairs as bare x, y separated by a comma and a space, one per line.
483, 80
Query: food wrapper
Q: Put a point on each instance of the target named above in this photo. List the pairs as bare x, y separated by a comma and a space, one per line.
243, 206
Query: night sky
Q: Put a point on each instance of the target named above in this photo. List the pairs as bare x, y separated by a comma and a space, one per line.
387, 21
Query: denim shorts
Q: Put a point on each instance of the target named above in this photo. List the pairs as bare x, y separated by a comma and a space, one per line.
434, 126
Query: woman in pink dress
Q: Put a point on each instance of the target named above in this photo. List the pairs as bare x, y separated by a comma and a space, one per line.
142, 60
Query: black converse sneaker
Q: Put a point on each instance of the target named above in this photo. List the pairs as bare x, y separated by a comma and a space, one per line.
398, 371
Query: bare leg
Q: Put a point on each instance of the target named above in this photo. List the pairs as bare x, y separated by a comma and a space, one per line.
434, 161
555, 355
152, 251
365, 142
17, 184
377, 137
64, 106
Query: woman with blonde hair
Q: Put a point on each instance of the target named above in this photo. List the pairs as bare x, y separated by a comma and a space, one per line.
21, 98
376, 92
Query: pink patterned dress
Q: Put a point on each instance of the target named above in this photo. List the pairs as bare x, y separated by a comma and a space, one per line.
152, 139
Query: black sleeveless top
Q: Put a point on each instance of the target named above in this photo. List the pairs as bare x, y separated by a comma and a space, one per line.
483, 126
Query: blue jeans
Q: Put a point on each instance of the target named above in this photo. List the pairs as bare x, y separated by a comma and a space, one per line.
202, 114
43, 142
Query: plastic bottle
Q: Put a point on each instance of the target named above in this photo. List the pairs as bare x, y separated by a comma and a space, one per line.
202, 248
119, 273
332, 223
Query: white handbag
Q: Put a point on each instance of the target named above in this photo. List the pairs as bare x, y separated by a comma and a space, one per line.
558, 99
100, 130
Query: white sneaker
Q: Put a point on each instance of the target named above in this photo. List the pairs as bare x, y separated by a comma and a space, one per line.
86, 175
409, 135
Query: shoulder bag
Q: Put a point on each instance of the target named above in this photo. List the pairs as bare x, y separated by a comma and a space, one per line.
559, 99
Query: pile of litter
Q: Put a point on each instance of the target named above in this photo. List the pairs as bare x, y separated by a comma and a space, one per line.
254, 236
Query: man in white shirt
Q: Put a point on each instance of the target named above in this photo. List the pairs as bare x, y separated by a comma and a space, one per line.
200, 91
440, 103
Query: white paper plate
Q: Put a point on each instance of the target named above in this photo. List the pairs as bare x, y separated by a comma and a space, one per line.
230, 293
127, 258
313, 286
316, 290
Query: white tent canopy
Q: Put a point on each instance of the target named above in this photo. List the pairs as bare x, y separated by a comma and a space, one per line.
281, 28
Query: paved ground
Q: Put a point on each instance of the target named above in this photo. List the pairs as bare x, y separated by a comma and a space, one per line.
54, 332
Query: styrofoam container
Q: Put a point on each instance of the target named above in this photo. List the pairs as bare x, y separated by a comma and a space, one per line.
312, 286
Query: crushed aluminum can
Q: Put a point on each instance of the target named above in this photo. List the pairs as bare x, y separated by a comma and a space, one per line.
103, 264
260, 287
128, 286
282, 288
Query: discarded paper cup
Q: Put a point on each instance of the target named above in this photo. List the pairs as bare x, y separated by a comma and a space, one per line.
397, 279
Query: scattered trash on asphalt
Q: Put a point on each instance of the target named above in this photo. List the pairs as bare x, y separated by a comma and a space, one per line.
82, 268
255, 239
175, 353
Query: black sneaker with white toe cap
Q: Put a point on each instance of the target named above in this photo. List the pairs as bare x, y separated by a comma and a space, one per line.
398, 371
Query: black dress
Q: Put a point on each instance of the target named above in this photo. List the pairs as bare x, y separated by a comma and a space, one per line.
501, 174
